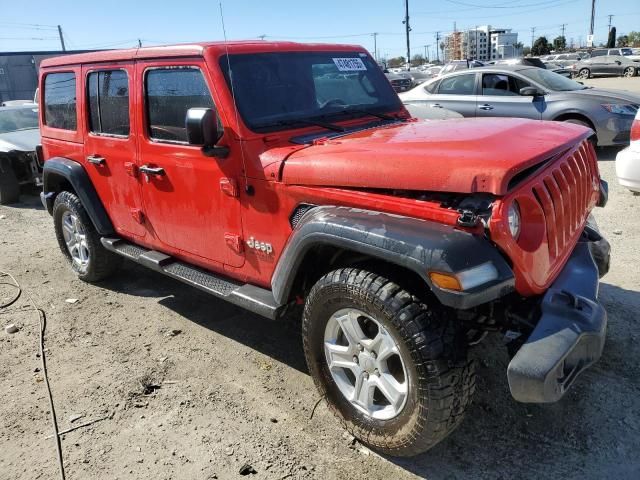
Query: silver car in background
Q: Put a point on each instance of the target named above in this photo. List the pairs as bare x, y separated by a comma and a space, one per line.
530, 92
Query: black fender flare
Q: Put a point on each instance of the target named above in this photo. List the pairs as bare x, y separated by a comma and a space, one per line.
418, 245
58, 169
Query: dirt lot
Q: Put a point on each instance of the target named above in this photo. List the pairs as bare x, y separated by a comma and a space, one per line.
194, 388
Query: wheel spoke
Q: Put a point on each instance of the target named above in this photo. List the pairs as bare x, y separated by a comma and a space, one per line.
339, 356
393, 391
351, 328
384, 345
363, 392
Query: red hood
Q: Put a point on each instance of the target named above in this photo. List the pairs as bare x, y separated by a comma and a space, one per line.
458, 155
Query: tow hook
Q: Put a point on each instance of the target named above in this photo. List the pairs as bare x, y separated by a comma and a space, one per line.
467, 218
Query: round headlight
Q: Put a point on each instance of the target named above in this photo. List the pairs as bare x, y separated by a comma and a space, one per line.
514, 220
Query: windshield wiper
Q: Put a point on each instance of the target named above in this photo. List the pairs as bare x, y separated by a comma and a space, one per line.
302, 121
383, 116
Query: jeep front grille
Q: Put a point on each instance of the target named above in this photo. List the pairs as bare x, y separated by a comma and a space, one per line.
565, 193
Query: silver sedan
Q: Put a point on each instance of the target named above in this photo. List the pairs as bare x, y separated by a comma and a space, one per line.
530, 92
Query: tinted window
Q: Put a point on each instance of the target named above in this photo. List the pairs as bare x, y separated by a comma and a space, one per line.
431, 87
500, 84
108, 94
60, 100
170, 93
285, 90
458, 85
598, 53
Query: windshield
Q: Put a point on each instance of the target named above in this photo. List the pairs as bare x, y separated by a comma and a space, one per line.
18, 119
551, 80
274, 90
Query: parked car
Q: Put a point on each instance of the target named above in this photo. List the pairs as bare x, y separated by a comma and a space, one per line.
534, 62
564, 59
635, 55
458, 65
16, 103
403, 241
628, 160
401, 82
19, 165
603, 52
530, 92
605, 65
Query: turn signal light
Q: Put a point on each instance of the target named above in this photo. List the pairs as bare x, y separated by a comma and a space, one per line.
445, 280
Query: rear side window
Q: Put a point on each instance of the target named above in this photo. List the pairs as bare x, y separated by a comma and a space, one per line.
598, 53
458, 85
60, 100
108, 93
170, 92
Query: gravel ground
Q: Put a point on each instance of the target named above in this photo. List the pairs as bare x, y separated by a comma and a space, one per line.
194, 388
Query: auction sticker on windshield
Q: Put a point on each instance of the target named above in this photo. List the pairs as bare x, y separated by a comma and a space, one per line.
349, 64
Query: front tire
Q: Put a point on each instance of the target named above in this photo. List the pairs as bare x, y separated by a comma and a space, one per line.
9, 186
394, 372
629, 72
80, 242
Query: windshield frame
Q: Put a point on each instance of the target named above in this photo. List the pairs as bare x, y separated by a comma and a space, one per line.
539, 80
287, 120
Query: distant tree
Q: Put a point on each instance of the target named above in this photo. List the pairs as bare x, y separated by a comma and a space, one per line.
518, 46
417, 59
396, 62
611, 42
634, 39
540, 47
559, 43
623, 41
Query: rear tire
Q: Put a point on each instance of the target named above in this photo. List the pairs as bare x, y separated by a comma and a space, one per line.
629, 72
584, 73
9, 186
80, 242
415, 379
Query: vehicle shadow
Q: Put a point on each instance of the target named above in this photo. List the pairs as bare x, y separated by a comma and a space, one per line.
607, 154
29, 200
498, 436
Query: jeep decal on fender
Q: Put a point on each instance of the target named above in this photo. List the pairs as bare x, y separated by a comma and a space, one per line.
254, 244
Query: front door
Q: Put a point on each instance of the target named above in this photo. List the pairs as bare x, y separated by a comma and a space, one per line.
185, 206
500, 97
457, 93
110, 147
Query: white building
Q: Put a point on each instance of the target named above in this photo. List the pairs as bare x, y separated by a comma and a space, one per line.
484, 43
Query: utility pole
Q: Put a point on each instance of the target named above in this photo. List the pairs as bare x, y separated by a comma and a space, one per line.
61, 38
563, 27
533, 32
593, 14
610, 17
407, 30
438, 46
139, 43
375, 45
262, 37
426, 57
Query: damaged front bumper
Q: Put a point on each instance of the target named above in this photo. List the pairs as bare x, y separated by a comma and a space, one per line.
570, 334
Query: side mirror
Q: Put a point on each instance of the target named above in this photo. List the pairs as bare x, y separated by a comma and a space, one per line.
204, 129
530, 92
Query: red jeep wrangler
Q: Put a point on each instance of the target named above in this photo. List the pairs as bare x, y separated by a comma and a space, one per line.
276, 175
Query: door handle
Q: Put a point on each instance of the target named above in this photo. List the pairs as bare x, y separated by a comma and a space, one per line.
147, 170
436, 105
96, 159
486, 106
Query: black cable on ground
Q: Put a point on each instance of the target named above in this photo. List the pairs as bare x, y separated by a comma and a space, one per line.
42, 321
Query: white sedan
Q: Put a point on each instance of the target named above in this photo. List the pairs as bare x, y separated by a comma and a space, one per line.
628, 160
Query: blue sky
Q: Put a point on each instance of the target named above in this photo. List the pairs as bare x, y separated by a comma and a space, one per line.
27, 24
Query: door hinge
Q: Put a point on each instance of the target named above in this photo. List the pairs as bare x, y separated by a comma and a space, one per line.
131, 169
229, 186
137, 215
234, 242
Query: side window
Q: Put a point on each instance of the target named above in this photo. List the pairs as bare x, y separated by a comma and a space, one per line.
60, 100
108, 95
170, 92
458, 85
598, 53
431, 87
503, 85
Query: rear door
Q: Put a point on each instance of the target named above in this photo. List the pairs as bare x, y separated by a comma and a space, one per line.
110, 146
457, 93
500, 97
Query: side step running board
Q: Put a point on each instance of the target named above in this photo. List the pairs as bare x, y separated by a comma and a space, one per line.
249, 297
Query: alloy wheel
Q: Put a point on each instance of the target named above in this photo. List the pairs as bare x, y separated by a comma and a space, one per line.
366, 364
76, 239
